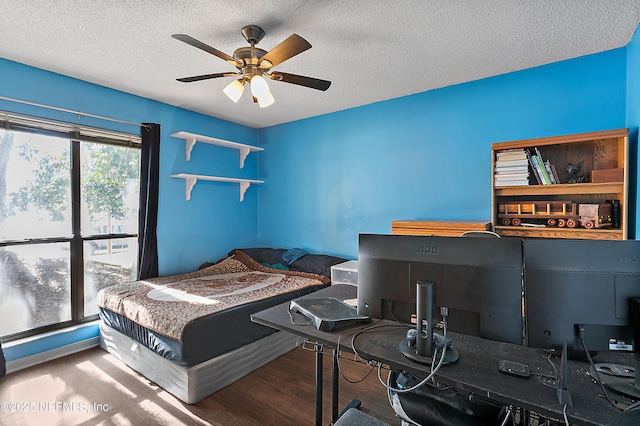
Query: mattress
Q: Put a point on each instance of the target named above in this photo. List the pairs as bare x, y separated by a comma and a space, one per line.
205, 337
190, 318
192, 384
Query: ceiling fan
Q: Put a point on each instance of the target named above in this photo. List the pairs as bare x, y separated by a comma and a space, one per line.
254, 64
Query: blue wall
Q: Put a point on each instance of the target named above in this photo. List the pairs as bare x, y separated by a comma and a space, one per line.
213, 221
633, 121
425, 156
189, 232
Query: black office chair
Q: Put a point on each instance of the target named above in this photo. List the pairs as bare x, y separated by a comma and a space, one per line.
489, 234
355, 417
430, 406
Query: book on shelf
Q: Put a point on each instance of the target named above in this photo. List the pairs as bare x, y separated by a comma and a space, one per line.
512, 163
512, 176
511, 168
542, 169
534, 168
547, 167
511, 179
519, 182
555, 173
511, 154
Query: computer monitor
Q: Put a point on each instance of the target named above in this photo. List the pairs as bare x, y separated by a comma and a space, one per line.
587, 282
478, 279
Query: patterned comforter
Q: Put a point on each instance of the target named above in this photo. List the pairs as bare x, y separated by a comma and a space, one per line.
167, 305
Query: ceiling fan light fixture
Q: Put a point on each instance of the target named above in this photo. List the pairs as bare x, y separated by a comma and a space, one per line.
234, 90
259, 86
254, 64
266, 100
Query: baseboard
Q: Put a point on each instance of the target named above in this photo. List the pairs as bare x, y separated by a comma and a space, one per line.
30, 361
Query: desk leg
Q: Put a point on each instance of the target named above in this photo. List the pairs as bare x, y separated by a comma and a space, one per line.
334, 388
318, 385
355, 403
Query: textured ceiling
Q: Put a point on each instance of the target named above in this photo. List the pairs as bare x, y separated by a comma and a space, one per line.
372, 50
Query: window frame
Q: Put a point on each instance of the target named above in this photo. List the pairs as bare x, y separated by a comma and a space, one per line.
74, 133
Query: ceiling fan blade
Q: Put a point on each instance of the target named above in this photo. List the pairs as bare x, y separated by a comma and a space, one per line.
207, 77
290, 47
314, 83
200, 45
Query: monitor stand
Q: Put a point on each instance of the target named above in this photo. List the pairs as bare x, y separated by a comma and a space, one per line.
562, 391
427, 342
625, 379
619, 378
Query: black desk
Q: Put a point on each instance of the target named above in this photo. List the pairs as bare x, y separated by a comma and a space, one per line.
476, 370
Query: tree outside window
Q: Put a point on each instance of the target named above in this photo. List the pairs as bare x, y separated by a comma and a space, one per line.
38, 224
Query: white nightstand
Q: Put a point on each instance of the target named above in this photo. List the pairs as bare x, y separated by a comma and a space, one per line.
345, 273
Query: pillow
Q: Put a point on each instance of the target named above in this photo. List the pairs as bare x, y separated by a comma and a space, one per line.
293, 254
276, 266
206, 264
263, 254
272, 256
254, 253
316, 264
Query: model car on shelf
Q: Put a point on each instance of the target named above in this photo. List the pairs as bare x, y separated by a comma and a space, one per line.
555, 213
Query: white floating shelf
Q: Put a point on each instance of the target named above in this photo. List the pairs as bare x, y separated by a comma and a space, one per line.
192, 138
192, 179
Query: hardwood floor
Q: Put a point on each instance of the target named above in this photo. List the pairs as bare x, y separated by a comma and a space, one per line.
94, 388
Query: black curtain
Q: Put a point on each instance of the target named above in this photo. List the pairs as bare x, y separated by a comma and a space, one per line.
3, 366
148, 216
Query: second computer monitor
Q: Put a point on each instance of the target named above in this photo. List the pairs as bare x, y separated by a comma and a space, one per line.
580, 283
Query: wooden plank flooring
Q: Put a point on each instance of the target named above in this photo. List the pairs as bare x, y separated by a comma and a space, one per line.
94, 388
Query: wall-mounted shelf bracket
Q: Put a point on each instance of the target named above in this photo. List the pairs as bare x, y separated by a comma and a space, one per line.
192, 138
191, 181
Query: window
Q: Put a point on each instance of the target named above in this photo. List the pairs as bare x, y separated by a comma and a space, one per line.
68, 221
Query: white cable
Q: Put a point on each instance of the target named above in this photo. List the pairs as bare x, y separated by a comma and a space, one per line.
433, 371
389, 388
506, 417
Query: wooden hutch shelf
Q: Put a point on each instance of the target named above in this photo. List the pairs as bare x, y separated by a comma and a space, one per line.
598, 151
550, 232
439, 228
562, 189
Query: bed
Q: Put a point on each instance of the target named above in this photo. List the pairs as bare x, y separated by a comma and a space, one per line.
192, 334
